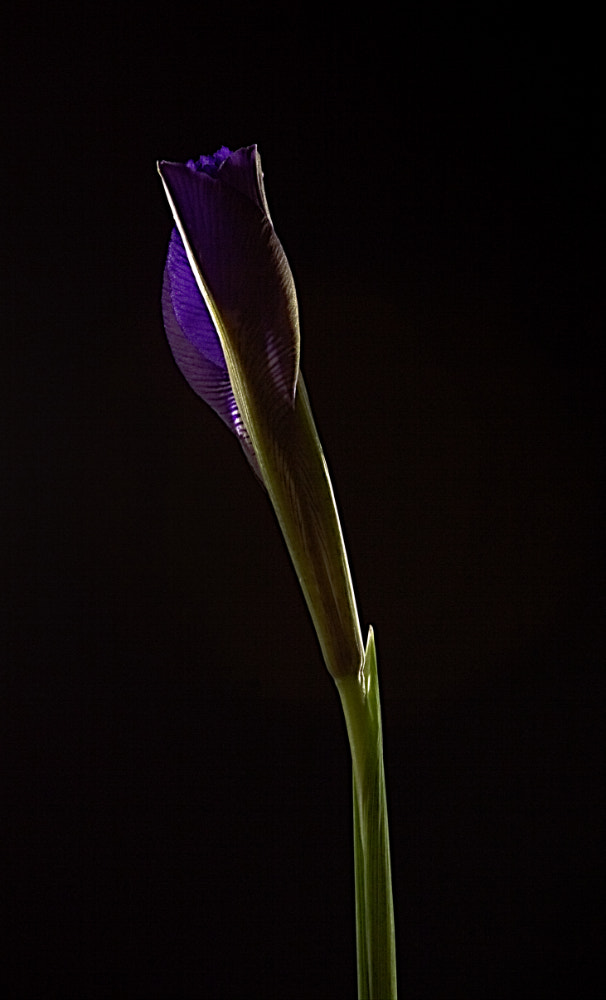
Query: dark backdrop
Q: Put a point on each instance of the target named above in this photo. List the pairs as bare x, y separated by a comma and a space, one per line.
178, 806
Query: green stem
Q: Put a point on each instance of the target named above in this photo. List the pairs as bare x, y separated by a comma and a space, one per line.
375, 935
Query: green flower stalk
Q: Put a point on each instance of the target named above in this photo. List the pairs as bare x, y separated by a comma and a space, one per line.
231, 318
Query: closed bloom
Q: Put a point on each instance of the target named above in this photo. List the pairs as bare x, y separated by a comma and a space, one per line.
231, 318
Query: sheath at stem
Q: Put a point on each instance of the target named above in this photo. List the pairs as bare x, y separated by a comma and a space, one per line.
375, 932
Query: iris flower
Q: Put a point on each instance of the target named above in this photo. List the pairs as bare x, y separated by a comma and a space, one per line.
231, 319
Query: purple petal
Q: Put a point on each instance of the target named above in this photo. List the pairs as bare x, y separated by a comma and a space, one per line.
195, 345
242, 170
242, 266
191, 311
210, 164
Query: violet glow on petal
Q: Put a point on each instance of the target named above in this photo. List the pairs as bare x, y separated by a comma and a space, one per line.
195, 344
191, 311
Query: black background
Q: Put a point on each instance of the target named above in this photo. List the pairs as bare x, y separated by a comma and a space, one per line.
178, 806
